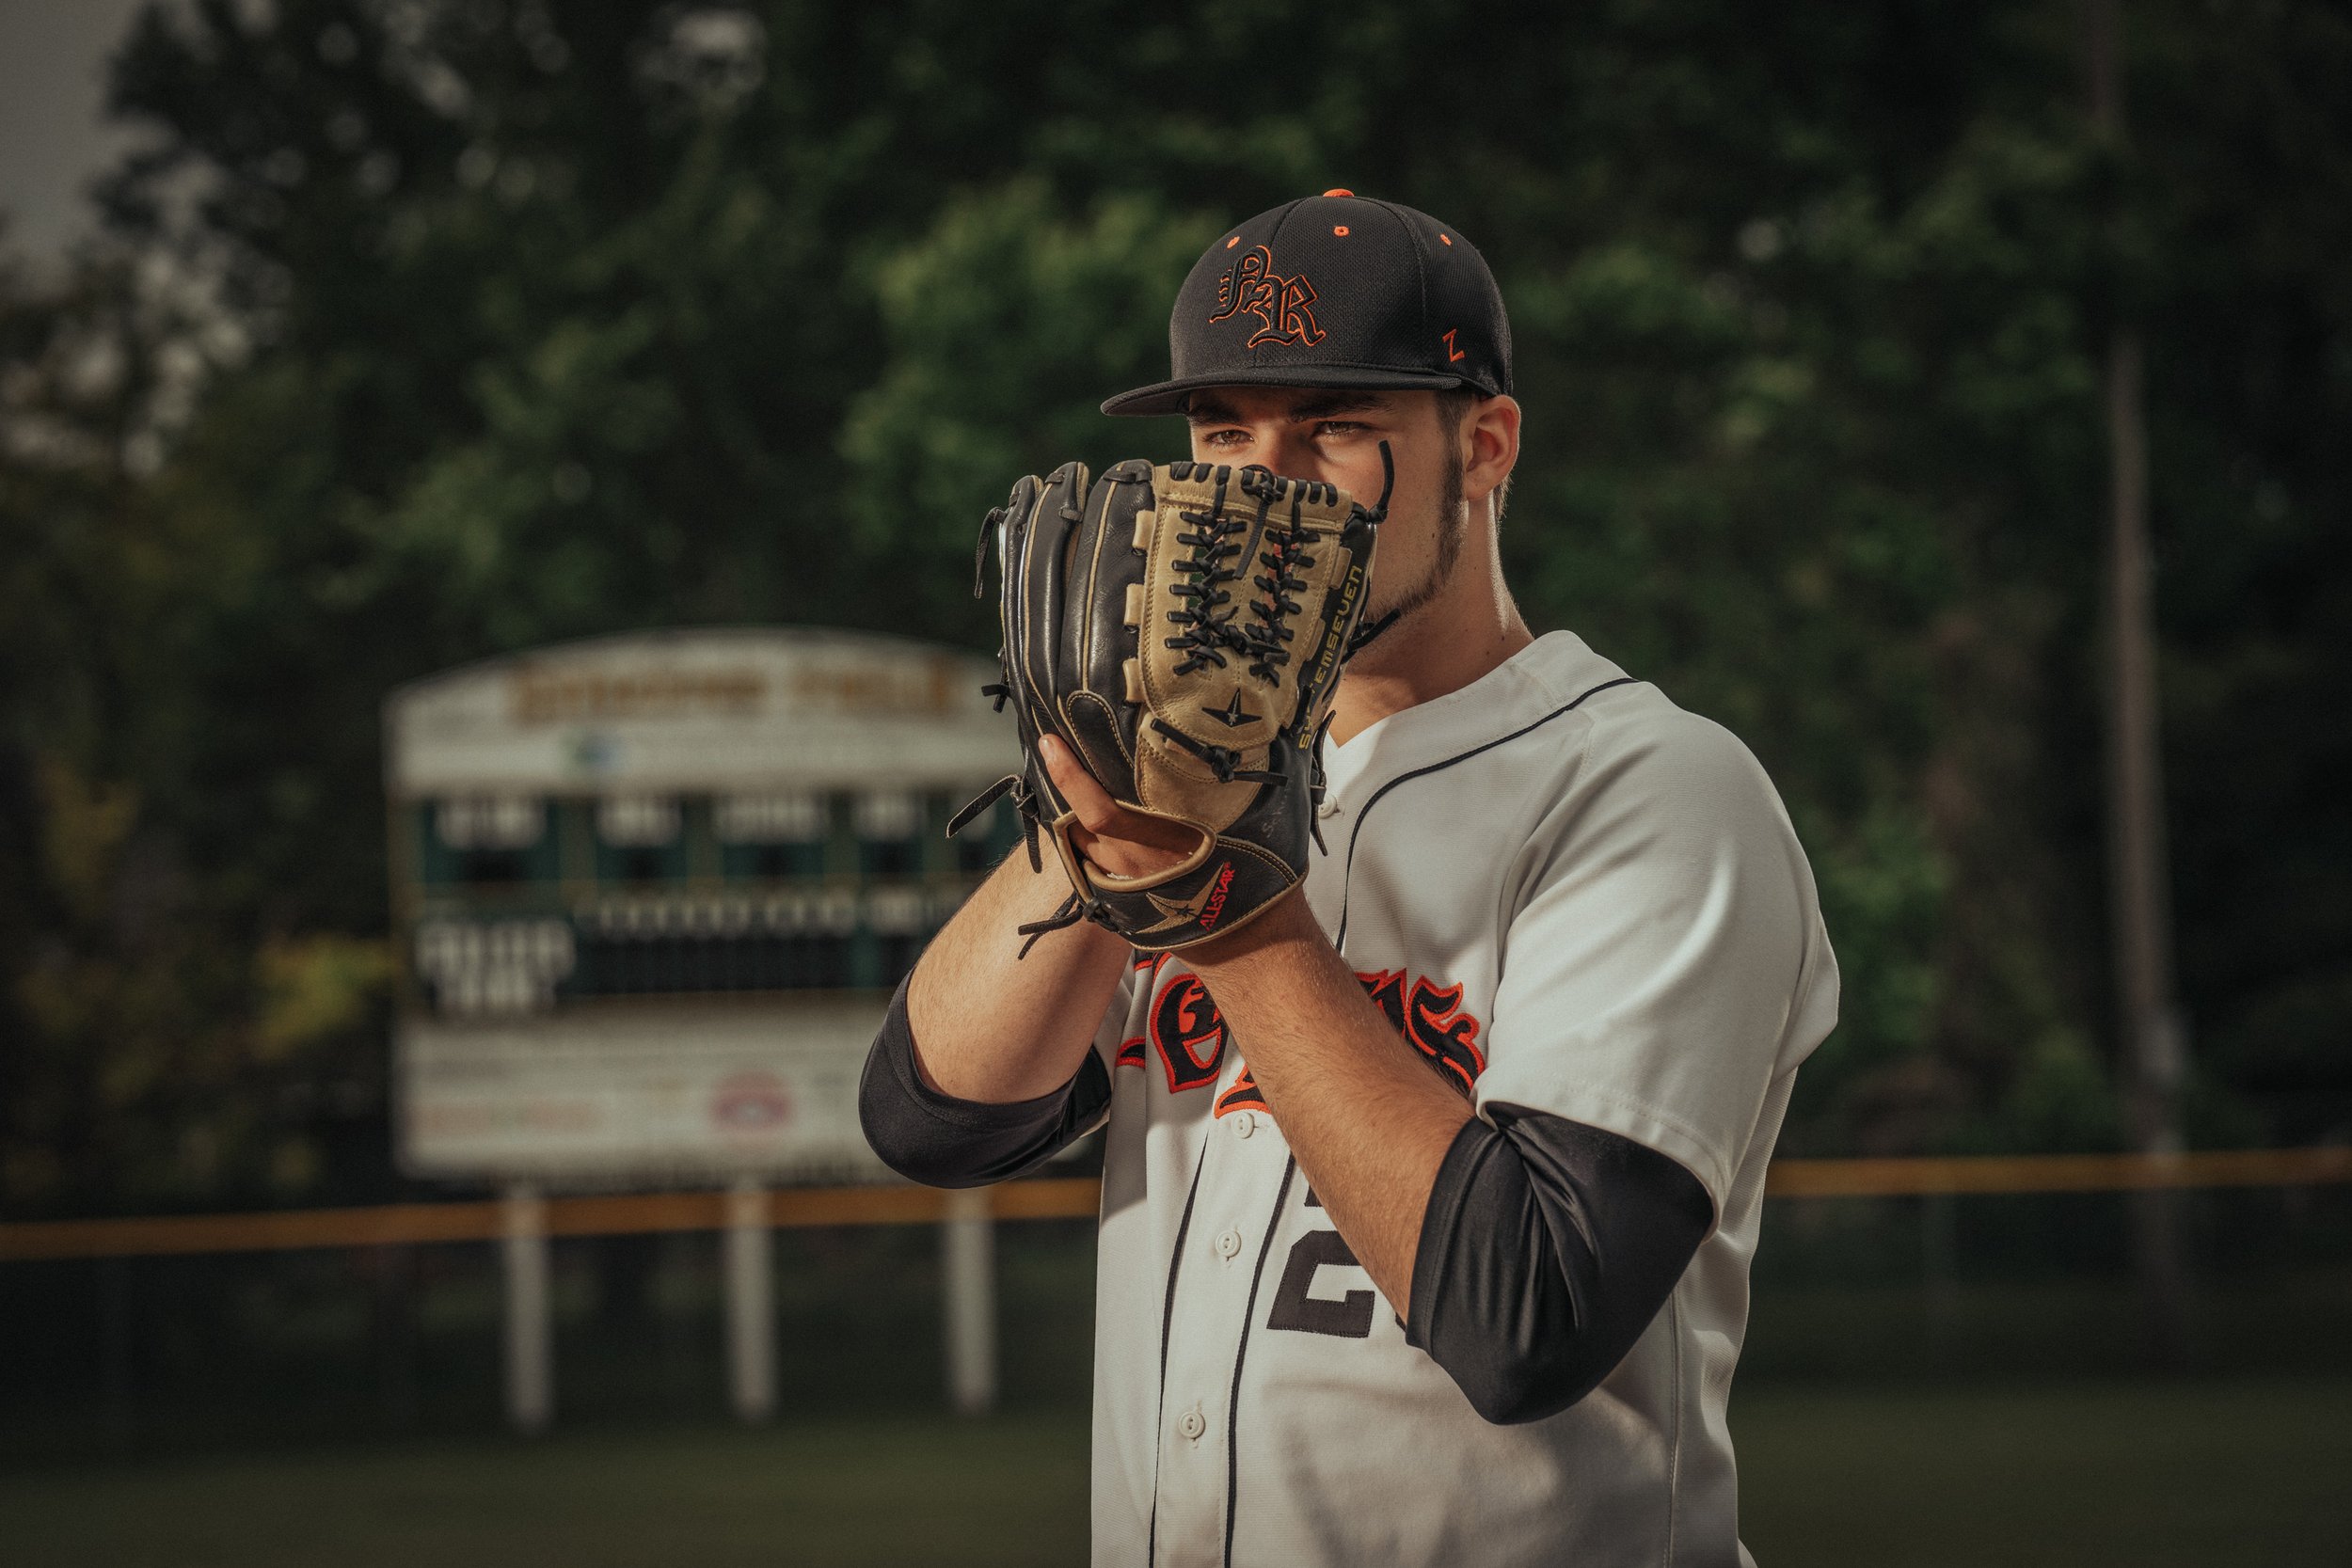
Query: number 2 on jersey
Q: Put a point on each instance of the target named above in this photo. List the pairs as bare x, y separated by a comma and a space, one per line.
1296, 1307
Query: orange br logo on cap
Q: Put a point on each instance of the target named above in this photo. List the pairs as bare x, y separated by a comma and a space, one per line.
1282, 305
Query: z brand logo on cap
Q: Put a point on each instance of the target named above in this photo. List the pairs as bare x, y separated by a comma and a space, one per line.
1280, 304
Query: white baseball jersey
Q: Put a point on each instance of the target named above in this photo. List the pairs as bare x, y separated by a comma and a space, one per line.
1580, 900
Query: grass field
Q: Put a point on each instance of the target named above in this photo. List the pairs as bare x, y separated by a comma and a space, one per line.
2239, 1472
2157, 1476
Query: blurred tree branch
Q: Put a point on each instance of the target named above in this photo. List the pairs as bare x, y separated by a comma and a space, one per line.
512, 322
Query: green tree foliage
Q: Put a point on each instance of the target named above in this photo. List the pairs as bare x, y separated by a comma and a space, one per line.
567, 320
148, 1051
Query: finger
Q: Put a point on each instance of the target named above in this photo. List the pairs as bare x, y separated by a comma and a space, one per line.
1126, 841
1088, 800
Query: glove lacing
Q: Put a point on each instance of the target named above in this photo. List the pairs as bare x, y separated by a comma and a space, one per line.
1223, 760
1067, 913
1367, 630
1025, 801
1271, 627
1206, 633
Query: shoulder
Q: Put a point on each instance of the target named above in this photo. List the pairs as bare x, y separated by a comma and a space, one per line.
1629, 759
1686, 759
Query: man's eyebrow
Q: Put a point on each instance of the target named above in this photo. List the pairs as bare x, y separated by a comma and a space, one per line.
1334, 404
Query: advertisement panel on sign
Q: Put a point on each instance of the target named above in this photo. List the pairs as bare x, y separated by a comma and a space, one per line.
689, 1091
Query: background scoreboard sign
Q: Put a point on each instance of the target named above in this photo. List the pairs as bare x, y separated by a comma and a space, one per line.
654, 892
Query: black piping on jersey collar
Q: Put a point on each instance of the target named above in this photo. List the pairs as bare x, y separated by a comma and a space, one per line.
1347, 876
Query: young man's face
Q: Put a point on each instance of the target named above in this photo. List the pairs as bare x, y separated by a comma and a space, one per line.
1334, 435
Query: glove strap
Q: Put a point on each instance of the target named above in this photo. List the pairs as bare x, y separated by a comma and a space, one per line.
984, 799
1068, 913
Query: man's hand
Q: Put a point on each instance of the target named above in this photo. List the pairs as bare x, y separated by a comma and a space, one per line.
1112, 838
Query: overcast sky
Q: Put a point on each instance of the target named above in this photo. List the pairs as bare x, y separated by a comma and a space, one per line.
53, 138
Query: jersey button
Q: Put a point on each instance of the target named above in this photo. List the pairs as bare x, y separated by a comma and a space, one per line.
1228, 1246
1244, 1124
1191, 1424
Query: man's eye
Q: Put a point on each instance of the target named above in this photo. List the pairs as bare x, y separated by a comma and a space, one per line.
1338, 427
1224, 438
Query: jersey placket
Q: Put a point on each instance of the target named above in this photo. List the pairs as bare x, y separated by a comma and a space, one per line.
1218, 1274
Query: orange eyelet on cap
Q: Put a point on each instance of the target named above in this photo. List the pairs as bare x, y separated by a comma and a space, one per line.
1340, 230
1447, 238
1337, 192
1232, 243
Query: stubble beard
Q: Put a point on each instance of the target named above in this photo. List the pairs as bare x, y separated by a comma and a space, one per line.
1451, 531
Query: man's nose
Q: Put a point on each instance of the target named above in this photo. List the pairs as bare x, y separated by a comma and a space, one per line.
1291, 452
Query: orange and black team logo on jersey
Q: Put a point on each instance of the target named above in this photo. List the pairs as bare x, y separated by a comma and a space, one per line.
1189, 1036
1431, 1017
1245, 1094
1188, 1033
1131, 1050
1284, 306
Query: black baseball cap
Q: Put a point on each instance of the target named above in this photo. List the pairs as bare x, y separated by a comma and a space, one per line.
1335, 290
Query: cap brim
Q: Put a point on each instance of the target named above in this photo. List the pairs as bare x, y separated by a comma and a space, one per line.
1168, 397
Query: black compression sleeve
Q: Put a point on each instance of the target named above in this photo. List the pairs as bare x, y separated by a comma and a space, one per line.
1546, 1248
941, 1141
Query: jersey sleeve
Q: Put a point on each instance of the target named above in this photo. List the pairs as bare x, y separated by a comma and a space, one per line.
1664, 927
1546, 1248
943, 1141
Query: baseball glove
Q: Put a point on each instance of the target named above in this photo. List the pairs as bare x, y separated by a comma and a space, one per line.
1181, 629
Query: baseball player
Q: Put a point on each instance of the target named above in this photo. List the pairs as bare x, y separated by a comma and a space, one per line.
1429, 1188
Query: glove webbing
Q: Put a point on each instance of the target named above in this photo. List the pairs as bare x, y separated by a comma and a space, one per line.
1204, 632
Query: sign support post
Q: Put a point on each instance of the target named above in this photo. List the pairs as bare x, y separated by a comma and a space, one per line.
530, 1343
750, 1286
968, 1269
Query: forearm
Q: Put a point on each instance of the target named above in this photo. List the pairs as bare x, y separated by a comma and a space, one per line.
991, 1025
1369, 1121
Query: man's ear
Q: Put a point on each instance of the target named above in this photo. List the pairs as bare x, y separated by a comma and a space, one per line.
1490, 447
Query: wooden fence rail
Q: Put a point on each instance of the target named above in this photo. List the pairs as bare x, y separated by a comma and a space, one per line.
1071, 1198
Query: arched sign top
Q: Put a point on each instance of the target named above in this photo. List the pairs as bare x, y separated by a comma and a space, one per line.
715, 709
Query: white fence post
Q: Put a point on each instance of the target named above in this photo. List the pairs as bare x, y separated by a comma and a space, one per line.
968, 1267
751, 1302
530, 1343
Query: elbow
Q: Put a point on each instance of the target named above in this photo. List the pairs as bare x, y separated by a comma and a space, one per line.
1516, 1391
881, 1117
908, 1143
1511, 1296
